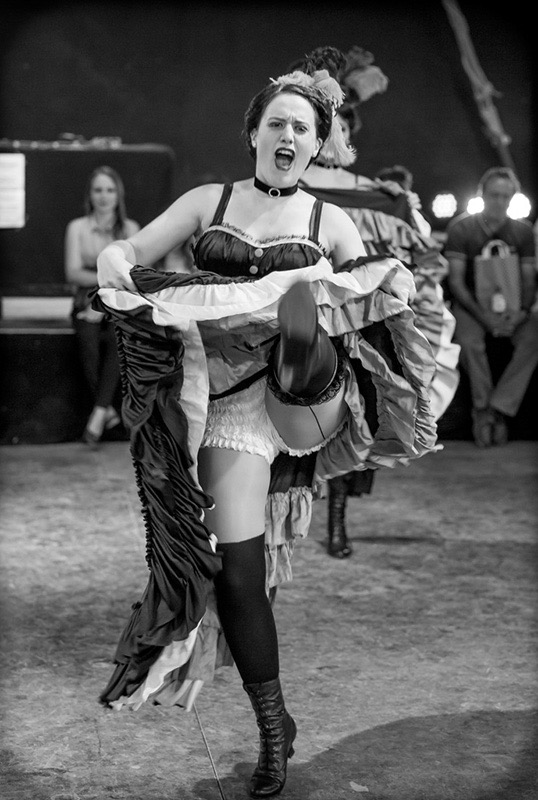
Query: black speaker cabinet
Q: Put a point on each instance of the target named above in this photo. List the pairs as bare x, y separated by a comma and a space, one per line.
43, 396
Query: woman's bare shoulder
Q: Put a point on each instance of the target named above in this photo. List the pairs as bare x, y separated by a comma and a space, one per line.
77, 222
206, 192
335, 215
340, 230
75, 225
199, 198
202, 201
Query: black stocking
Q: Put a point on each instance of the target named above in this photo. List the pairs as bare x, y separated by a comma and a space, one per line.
245, 611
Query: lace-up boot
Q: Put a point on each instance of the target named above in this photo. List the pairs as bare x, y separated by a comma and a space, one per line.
277, 733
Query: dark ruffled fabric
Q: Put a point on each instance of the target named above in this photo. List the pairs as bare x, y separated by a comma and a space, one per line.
179, 554
386, 225
170, 331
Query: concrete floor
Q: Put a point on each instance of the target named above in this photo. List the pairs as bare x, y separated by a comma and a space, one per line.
410, 668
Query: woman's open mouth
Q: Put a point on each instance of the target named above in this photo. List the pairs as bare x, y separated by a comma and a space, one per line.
284, 158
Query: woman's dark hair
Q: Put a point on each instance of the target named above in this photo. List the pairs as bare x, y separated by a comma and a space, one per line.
348, 114
322, 109
121, 213
330, 58
397, 173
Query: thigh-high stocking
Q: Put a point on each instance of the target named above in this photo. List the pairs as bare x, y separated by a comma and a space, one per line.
245, 610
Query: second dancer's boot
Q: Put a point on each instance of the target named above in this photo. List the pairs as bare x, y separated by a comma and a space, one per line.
338, 545
277, 734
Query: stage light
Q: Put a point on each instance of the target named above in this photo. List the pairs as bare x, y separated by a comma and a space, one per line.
519, 208
444, 205
475, 205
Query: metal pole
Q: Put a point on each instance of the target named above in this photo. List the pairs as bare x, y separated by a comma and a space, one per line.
215, 773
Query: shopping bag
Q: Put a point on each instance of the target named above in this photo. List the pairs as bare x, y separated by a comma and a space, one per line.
497, 275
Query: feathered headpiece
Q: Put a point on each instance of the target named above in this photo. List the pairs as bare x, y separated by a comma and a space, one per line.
335, 148
347, 80
361, 80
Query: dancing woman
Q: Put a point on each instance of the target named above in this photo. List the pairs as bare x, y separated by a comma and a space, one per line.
241, 403
388, 218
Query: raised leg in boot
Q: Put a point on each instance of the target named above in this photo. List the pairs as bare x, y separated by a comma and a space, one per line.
338, 544
305, 360
306, 389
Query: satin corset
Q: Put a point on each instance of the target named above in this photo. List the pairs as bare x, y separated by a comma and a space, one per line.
228, 251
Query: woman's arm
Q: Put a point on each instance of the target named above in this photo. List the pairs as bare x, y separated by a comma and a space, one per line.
174, 226
75, 272
344, 239
347, 246
131, 227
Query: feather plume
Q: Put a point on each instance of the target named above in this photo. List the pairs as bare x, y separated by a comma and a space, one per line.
329, 86
365, 82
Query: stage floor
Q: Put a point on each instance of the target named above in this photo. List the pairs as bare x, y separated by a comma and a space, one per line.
410, 667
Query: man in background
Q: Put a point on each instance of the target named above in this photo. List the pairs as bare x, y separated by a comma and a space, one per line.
492, 280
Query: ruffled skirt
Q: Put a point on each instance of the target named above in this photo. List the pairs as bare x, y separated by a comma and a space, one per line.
185, 338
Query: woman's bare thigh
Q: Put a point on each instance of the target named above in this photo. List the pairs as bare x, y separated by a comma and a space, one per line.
238, 482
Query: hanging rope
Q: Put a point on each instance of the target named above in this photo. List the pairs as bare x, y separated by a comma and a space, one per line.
215, 773
483, 90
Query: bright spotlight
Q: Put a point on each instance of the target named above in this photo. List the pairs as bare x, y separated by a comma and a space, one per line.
475, 205
520, 206
444, 205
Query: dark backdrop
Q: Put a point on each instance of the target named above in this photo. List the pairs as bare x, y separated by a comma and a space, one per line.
182, 75
32, 260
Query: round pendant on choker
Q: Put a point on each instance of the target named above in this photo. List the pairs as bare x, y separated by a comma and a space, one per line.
273, 191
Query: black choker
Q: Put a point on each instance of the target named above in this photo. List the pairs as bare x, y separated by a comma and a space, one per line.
272, 191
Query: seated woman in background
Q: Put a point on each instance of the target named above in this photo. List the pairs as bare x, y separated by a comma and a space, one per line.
104, 221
